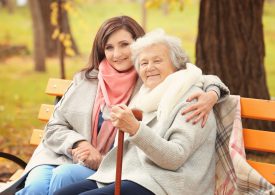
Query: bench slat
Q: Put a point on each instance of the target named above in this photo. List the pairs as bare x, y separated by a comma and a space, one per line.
45, 112
57, 87
16, 175
265, 169
256, 139
36, 137
258, 109
259, 140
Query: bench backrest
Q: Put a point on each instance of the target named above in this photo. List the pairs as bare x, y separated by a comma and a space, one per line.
259, 140
55, 87
250, 108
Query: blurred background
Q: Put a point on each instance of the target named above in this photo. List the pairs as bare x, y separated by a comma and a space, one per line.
232, 39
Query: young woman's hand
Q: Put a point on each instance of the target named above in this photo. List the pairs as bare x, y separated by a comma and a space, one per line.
84, 153
94, 159
201, 109
123, 118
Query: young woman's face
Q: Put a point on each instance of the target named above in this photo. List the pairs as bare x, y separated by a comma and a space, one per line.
117, 50
155, 65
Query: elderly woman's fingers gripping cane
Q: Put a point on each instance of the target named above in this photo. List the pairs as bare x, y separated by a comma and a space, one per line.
126, 120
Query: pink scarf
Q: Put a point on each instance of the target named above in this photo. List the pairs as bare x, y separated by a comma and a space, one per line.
113, 88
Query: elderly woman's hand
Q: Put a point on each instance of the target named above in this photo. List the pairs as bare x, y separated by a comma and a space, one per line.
123, 118
201, 109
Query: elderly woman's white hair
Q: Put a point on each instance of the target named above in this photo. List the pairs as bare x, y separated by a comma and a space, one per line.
178, 56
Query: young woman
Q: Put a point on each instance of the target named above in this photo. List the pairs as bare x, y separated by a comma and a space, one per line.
78, 136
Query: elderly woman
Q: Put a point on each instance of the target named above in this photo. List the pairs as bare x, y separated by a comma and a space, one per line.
163, 153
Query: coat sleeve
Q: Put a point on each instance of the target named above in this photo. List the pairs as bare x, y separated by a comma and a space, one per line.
181, 139
212, 82
59, 134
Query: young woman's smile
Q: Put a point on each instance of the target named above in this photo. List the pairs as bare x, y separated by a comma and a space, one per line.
117, 50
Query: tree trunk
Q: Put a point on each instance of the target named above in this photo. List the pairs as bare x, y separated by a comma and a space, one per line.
38, 36
51, 44
230, 44
9, 4
61, 46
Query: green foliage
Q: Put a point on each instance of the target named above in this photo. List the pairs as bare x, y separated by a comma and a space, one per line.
88, 17
22, 92
269, 36
16, 28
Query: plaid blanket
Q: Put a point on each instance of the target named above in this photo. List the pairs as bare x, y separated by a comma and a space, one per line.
233, 174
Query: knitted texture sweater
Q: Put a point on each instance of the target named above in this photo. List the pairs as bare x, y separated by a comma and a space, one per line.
167, 157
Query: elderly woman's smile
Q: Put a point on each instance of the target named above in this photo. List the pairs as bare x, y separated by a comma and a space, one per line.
155, 64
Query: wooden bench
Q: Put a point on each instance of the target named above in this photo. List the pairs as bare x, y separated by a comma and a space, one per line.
55, 87
259, 140
250, 108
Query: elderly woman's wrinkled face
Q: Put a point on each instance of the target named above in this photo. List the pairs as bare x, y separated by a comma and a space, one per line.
117, 50
155, 65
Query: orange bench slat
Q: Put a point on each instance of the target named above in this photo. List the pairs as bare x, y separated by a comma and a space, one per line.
258, 109
16, 175
57, 87
36, 136
45, 112
259, 140
265, 169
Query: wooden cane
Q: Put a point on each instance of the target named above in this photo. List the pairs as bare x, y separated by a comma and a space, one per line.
119, 162
138, 115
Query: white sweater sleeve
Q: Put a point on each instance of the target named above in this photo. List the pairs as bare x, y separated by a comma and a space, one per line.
180, 140
212, 82
59, 134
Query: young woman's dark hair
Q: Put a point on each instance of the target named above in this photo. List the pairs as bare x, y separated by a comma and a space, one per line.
107, 28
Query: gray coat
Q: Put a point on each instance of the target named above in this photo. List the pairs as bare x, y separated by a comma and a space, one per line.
167, 157
71, 122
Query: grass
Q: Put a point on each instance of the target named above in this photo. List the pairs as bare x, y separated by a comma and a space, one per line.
16, 28
22, 89
22, 92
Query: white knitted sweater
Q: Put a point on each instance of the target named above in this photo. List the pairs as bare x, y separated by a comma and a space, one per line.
172, 157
